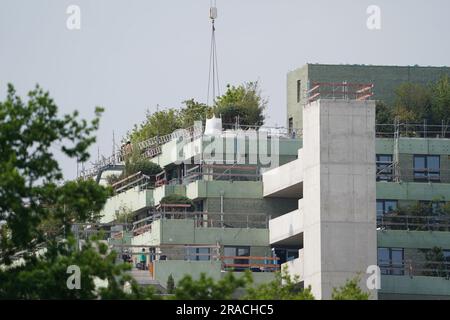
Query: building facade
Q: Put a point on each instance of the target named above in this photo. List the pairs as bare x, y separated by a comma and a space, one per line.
327, 202
384, 78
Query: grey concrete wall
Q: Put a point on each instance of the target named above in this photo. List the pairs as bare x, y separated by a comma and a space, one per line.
339, 193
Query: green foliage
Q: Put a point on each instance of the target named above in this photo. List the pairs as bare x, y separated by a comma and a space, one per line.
415, 103
124, 215
166, 121
440, 101
38, 207
350, 291
170, 285
384, 115
156, 124
425, 209
244, 101
45, 277
283, 287
435, 265
194, 111
113, 178
206, 288
145, 166
30, 177
176, 199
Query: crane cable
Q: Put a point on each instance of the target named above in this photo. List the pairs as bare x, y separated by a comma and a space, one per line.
213, 65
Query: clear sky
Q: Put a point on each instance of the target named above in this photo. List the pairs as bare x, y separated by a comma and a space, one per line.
131, 55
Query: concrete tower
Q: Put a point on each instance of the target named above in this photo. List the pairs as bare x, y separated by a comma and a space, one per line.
338, 193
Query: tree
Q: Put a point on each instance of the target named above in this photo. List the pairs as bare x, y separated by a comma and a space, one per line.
124, 215
440, 101
29, 174
383, 113
176, 199
142, 165
159, 123
206, 288
435, 262
413, 103
244, 102
350, 291
194, 111
170, 285
37, 207
283, 287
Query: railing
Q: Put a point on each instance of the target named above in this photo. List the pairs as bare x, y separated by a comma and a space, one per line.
98, 166
339, 90
187, 252
198, 252
385, 170
209, 220
253, 263
418, 130
413, 223
134, 180
233, 172
415, 268
191, 132
276, 131
411, 174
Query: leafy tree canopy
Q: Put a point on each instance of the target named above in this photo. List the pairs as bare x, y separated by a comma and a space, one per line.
168, 120
350, 291
244, 101
37, 207
176, 199
415, 103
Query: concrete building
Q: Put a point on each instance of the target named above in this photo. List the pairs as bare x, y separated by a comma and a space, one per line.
226, 227
410, 185
384, 78
327, 202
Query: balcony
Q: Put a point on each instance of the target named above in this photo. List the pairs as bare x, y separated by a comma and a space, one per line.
285, 181
409, 279
419, 287
202, 227
295, 267
286, 230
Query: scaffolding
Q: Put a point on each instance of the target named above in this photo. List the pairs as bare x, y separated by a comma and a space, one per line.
338, 90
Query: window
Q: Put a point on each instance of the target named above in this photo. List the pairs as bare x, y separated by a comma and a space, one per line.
426, 168
384, 207
385, 168
290, 125
242, 251
447, 255
291, 254
435, 206
198, 254
390, 261
285, 254
299, 90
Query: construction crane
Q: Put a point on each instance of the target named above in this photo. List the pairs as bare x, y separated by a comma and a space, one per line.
213, 76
